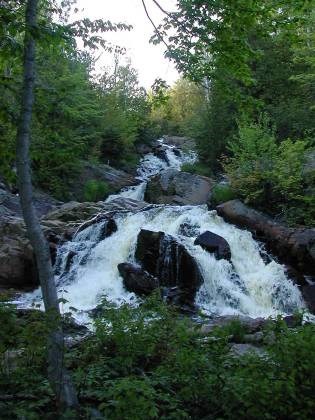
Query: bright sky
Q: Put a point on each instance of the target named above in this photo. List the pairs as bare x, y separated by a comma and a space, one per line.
147, 58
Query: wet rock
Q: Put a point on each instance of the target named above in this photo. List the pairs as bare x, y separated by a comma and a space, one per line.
180, 298
294, 246
137, 280
308, 293
109, 225
69, 260
163, 257
17, 262
180, 188
186, 229
295, 276
161, 154
214, 244
177, 152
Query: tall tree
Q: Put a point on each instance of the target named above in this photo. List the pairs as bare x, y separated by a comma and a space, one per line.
58, 376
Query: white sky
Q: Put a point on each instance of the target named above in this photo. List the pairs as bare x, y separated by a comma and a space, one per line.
147, 58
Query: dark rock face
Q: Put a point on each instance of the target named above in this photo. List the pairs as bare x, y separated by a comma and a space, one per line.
17, 262
10, 203
181, 188
308, 293
137, 280
293, 246
108, 227
163, 257
214, 244
179, 298
161, 154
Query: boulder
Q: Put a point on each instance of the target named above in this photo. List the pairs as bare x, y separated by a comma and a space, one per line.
308, 293
160, 152
293, 246
137, 280
17, 262
163, 257
214, 244
10, 203
185, 143
115, 178
180, 188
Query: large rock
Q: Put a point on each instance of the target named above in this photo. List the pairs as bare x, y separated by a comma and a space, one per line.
308, 293
115, 178
184, 143
181, 188
137, 280
214, 244
17, 262
293, 246
163, 257
10, 203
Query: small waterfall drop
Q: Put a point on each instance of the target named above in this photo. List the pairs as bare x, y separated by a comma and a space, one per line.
246, 285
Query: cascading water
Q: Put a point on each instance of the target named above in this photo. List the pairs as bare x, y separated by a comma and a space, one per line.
246, 286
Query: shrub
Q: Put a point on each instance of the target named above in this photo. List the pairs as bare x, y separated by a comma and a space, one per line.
221, 193
95, 190
268, 175
197, 168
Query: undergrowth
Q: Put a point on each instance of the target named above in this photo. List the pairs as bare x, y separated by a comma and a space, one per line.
149, 362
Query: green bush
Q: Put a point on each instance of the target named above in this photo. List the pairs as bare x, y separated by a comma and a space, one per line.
222, 193
270, 175
197, 168
95, 190
149, 362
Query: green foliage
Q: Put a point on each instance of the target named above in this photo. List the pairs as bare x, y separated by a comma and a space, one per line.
198, 168
221, 193
251, 165
268, 175
95, 190
148, 362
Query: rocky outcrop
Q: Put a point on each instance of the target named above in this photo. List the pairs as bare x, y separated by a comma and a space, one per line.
17, 262
169, 261
137, 280
10, 203
179, 188
214, 244
115, 178
308, 293
294, 246
184, 143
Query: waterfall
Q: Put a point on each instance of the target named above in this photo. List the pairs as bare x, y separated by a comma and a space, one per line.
246, 285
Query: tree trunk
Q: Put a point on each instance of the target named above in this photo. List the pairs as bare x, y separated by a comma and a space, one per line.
58, 376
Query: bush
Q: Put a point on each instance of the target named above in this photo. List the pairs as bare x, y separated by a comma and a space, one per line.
95, 190
268, 175
197, 168
222, 193
149, 362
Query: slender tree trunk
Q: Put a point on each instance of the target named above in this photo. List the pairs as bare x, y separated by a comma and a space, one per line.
58, 376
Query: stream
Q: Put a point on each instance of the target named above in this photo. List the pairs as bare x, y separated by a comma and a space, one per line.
248, 285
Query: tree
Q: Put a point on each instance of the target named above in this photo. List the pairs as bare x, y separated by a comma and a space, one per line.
58, 376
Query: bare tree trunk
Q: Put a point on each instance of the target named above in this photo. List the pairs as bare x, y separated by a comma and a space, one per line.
58, 376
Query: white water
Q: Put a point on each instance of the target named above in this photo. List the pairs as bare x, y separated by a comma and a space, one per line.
246, 286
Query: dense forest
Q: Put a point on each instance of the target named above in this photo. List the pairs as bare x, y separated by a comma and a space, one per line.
245, 100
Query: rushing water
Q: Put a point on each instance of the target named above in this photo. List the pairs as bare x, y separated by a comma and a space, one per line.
246, 286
